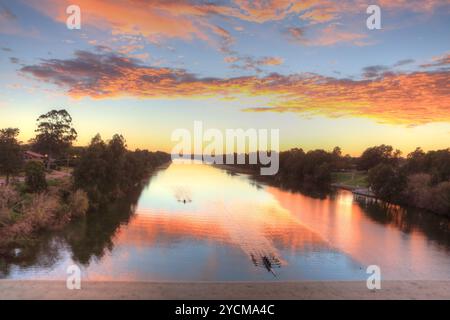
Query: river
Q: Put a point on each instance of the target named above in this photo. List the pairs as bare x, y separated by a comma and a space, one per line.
200, 223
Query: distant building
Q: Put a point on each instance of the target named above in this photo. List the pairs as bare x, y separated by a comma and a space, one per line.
30, 155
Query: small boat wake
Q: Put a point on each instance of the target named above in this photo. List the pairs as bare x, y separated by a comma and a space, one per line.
269, 262
182, 194
253, 241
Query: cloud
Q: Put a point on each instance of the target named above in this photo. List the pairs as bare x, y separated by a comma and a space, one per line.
325, 36
440, 61
374, 71
158, 20
320, 15
230, 59
14, 60
6, 14
106, 74
154, 20
403, 98
8, 21
251, 63
10, 24
404, 62
270, 61
296, 34
377, 71
313, 12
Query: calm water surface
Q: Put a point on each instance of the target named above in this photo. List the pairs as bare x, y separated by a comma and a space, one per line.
198, 222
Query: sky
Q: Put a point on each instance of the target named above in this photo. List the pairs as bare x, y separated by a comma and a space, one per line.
312, 69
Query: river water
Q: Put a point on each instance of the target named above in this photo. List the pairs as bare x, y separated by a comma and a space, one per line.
200, 223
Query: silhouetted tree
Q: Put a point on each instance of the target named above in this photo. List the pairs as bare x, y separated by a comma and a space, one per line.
108, 171
55, 133
416, 161
387, 182
438, 165
11, 159
373, 156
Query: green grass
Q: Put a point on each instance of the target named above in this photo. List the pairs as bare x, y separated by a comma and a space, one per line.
350, 179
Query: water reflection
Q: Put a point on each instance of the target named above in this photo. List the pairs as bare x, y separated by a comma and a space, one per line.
93, 237
197, 222
406, 244
409, 220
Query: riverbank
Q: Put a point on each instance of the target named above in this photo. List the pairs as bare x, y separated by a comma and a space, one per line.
356, 183
235, 169
307, 290
24, 214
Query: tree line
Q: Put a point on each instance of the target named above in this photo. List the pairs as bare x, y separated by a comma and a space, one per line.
102, 172
298, 168
105, 170
421, 179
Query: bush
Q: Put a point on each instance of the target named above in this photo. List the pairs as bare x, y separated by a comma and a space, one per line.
8, 199
39, 213
35, 177
78, 203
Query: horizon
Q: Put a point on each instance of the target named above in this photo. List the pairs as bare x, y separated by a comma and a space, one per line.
76, 144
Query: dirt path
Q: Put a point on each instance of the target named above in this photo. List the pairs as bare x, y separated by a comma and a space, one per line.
10, 289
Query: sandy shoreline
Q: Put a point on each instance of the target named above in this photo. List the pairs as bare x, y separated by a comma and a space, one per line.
28, 289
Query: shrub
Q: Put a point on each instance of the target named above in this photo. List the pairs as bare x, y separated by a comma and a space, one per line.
35, 177
78, 203
41, 210
8, 199
37, 213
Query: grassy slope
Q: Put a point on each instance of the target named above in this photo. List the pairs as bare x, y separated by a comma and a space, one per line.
350, 179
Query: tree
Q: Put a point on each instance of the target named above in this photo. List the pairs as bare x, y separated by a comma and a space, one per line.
100, 171
11, 159
107, 171
91, 173
416, 161
441, 198
35, 176
438, 163
55, 133
387, 182
373, 156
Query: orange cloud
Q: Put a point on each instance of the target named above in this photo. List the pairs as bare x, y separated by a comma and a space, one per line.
230, 59
184, 19
271, 61
154, 20
319, 11
402, 98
